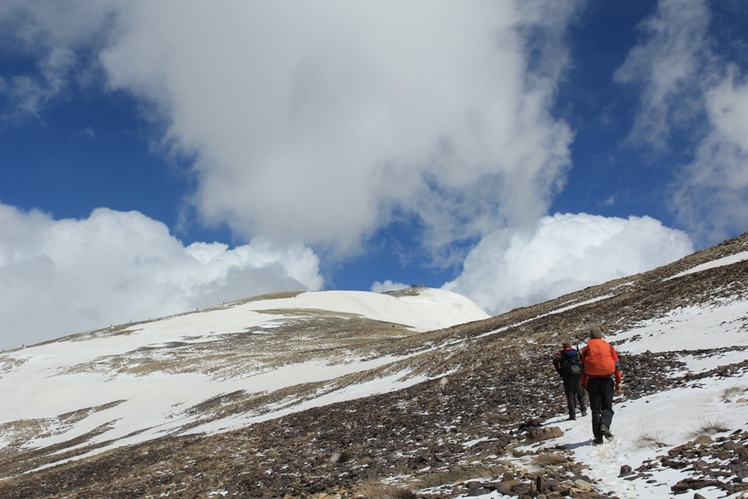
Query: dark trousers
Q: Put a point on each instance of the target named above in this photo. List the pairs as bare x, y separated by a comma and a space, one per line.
574, 395
601, 403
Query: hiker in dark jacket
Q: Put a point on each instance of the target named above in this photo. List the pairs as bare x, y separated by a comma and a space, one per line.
601, 372
568, 365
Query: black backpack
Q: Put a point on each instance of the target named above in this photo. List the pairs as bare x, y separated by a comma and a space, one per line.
572, 365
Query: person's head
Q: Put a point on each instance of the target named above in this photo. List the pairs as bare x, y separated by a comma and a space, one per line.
566, 344
595, 332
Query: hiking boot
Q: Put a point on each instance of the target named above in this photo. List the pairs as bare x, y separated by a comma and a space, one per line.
598, 441
606, 432
584, 413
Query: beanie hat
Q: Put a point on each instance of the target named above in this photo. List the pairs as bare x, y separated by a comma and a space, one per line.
595, 332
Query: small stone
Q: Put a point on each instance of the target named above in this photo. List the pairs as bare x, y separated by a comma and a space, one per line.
543, 433
582, 484
505, 487
522, 488
625, 470
703, 439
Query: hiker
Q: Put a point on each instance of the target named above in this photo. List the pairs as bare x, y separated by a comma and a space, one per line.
568, 365
601, 373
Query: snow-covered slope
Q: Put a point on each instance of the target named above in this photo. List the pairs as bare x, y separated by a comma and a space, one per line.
706, 337
290, 378
135, 382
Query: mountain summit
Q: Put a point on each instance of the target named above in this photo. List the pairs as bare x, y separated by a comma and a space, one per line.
210, 370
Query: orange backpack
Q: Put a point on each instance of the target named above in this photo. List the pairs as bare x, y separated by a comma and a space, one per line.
599, 358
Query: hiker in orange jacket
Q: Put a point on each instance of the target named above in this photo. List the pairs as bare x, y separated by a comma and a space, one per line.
601, 371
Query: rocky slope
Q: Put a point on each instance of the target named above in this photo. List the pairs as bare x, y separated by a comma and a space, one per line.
479, 397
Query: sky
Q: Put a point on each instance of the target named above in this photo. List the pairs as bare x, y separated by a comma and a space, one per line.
163, 156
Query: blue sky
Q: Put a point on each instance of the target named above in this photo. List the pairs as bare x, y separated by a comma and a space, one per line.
162, 156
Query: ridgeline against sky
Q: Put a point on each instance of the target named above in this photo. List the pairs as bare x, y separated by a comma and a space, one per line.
159, 156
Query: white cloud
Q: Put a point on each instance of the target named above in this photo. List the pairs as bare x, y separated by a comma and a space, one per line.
322, 121
308, 121
728, 110
56, 33
318, 121
562, 253
63, 276
670, 63
690, 89
382, 287
711, 195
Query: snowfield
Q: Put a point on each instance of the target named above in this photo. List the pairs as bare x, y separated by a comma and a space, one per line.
112, 384
643, 427
213, 371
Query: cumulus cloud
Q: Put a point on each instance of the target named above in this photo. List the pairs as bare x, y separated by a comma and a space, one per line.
320, 121
563, 253
388, 285
63, 276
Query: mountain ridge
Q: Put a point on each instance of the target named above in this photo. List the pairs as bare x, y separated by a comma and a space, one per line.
483, 381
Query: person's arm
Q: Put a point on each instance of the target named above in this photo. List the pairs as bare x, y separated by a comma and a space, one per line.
557, 363
618, 374
582, 360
